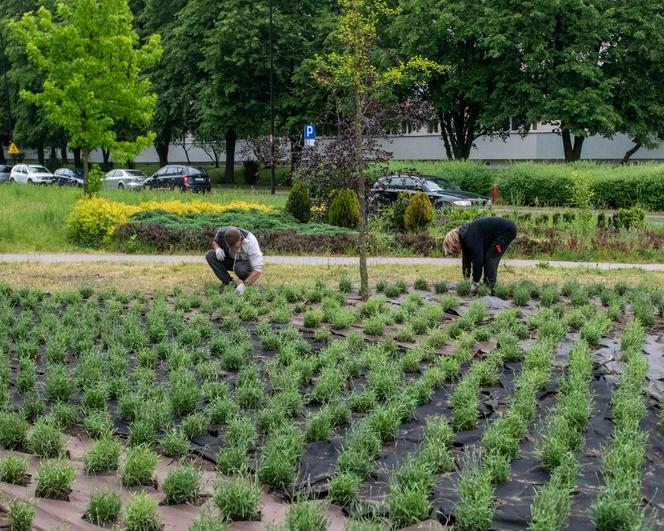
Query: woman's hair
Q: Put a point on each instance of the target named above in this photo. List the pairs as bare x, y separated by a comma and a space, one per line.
452, 242
232, 236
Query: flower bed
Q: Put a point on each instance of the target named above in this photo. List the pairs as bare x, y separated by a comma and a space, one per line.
92, 221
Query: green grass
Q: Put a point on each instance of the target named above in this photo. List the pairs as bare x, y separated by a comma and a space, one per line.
14, 470
104, 507
54, 479
140, 514
34, 217
103, 456
20, 515
238, 499
182, 484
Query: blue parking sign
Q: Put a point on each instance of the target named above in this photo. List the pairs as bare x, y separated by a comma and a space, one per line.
310, 132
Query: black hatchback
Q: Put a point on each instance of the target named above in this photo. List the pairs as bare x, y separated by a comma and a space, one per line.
387, 189
180, 177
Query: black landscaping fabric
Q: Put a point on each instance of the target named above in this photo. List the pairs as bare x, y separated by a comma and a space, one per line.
514, 496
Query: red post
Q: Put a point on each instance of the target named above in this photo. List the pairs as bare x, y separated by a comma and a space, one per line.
494, 194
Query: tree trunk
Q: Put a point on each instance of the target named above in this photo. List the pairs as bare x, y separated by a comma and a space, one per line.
106, 154
630, 152
359, 158
77, 157
161, 144
40, 154
457, 129
231, 140
64, 155
86, 157
296, 153
3, 160
571, 149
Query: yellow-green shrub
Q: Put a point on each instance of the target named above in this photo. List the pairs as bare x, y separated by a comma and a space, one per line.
419, 213
92, 221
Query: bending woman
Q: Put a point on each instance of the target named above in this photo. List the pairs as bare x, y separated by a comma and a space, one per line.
482, 244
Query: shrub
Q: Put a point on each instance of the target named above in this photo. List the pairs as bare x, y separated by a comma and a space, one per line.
54, 479
182, 484
141, 513
344, 209
238, 499
299, 202
92, 221
20, 515
103, 507
95, 176
419, 213
250, 172
397, 211
629, 218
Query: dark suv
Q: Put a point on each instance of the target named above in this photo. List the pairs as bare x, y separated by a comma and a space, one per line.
387, 189
180, 177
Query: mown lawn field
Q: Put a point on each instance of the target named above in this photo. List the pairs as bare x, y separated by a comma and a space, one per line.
307, 408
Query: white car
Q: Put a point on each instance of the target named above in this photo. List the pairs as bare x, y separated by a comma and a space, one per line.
125, 179
30, 174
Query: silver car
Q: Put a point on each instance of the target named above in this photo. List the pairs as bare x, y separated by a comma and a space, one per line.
124, 179
30, 174
4, 173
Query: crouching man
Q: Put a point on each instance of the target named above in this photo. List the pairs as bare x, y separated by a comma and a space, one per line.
235, 250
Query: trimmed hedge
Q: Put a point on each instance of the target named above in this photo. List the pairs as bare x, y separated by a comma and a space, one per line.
534, 184
552, 184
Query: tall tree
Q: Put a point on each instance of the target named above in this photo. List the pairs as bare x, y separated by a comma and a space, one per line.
29, 126
635, 57
92, 62
563, 51
235, 96
160, 17
357, 77
466, 96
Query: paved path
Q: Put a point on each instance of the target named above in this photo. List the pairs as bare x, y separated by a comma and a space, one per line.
304, 260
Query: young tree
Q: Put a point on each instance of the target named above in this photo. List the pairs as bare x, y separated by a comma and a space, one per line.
92, 61
354, 74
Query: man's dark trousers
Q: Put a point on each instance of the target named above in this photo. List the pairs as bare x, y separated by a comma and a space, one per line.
221, 269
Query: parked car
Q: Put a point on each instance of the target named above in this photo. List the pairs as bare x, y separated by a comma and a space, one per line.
69, 177
181, 177
30, 174
125, 179
4, 173
387, 189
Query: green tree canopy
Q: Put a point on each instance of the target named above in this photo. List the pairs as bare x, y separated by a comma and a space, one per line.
91, 60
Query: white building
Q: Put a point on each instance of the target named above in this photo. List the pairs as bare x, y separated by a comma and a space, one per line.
540, 144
